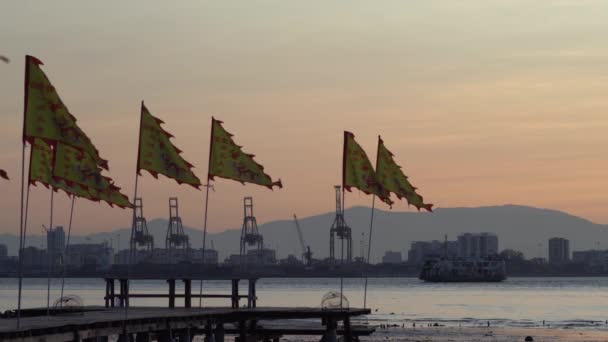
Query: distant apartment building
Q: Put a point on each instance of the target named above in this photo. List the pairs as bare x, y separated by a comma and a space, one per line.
391, 257
265, 256
559, 250
420, 251
34, 257
55, 240
168, 256
477, 245
98, 256
593, 260
3, 252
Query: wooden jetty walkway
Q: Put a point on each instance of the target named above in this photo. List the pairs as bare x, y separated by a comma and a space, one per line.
182, 324
117, 318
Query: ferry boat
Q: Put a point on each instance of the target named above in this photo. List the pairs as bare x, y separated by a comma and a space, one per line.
444, 270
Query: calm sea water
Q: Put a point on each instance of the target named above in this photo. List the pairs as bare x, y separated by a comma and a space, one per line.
561, 302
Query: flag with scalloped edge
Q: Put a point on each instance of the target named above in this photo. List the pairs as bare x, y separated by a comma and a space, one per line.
41, 170
227, 160
358, 171
46, 116
157, 154
394, 180
76, 166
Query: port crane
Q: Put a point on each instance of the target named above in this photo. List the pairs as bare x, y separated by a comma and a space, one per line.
250, 235
139, 231
306, 253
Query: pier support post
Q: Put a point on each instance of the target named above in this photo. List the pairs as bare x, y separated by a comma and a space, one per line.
235, 293
187, 293
348, 334
251, 295
124, 292
242, 331
330, 330
209, 336
143, 337
171, 293
125, 337
164, 336
112, 293
219, 332
107, 298
182, 335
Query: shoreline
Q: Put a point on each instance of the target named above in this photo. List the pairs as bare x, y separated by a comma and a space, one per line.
495, 334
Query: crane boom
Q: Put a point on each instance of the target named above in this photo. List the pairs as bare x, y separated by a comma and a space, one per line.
306, 253
300, 236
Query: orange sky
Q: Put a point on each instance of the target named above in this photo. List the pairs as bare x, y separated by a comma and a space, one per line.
483, 102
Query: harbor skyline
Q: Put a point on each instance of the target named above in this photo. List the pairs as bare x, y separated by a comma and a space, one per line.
475, 117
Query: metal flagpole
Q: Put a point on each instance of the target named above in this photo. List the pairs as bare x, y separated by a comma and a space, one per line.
22, 218
369, 249
65, 250
342, 255
200, 298
49, 250
209, 177
133, 222
129, 262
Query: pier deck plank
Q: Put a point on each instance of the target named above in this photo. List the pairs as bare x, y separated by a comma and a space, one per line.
99, 320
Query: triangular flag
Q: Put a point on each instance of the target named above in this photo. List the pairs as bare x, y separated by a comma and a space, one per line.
392, 178
227, 160
158, 155
47, 118
357, 170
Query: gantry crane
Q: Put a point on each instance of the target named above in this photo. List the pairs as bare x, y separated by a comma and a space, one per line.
139, 231
340, 229
250, 235
176, 238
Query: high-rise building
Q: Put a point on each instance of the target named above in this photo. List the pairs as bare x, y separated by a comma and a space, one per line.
391, 257
3, 251
55, 244
420, 251
477, 245
559, 250
55, 240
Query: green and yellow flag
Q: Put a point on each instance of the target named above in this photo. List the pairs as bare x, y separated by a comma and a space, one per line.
392, 178
158, 155
3, 174
47, 118
112, 196
41, 164
357, 170
76, 166
227, 160
41, 171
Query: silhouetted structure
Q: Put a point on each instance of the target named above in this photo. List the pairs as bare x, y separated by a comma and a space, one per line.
559, 250
341, 230
176, 238
306, 253
139, 231
250, 236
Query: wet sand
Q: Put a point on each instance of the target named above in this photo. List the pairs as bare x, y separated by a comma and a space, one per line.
502, 334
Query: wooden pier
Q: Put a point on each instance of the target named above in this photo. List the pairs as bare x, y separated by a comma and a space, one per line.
180, 324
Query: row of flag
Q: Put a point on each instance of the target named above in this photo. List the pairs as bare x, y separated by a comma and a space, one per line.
387, 178
63, 157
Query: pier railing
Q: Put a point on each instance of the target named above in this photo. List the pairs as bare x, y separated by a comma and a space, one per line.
122, 298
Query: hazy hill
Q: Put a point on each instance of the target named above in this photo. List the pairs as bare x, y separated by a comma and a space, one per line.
518, 227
